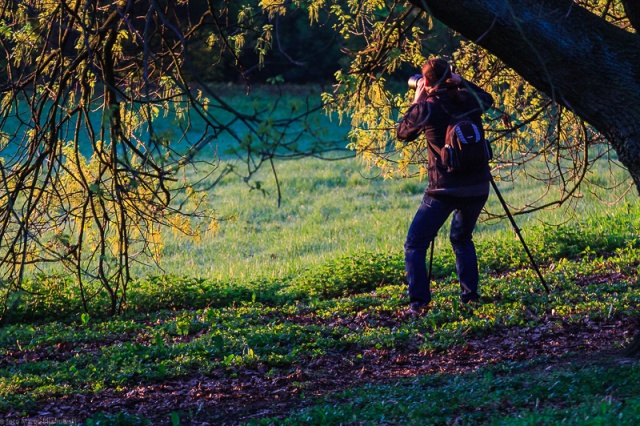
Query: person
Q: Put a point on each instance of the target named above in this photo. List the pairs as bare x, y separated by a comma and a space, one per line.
441, 94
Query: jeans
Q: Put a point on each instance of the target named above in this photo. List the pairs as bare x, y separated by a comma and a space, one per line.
430, 217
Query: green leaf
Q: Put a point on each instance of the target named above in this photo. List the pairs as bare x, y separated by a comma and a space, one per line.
84, 319
175, 419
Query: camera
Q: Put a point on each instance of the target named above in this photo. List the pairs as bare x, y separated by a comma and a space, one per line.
413, 81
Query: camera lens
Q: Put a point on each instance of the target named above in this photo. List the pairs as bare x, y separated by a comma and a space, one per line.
413, 81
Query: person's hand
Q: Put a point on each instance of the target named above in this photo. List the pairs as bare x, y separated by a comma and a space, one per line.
421, 92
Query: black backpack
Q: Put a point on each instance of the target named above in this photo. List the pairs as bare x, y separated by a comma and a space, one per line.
465, 148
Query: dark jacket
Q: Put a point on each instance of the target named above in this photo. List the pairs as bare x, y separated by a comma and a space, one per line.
432, 117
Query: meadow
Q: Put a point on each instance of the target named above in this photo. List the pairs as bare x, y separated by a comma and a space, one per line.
294, 314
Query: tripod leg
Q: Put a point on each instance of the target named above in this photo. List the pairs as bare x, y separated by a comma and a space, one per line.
433, 243
515, 228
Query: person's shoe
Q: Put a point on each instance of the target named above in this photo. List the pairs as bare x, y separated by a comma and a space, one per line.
417, 309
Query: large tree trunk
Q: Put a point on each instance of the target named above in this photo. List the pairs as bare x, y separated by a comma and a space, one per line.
583, 62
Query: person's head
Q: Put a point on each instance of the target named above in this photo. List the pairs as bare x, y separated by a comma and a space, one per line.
436, 71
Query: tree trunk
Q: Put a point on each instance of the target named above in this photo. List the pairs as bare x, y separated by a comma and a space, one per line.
577, 58
632, 9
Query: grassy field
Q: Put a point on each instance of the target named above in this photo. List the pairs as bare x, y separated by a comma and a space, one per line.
295, 315
335, 208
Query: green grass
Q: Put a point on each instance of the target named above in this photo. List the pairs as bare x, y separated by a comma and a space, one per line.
327, 209
334, 208
597, 394
336, 233
96, 355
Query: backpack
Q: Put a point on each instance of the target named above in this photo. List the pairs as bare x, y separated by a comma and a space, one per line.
465, 147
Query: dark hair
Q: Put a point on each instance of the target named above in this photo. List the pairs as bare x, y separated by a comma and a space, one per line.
437, 73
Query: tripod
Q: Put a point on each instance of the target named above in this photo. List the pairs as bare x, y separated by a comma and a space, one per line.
515, 228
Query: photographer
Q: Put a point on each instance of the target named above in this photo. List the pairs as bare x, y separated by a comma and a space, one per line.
441, 94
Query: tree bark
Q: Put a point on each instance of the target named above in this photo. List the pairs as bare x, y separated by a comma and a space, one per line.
577, 58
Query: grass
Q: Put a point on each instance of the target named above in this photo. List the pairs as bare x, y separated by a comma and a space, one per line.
44, 362
326, 211
337, 232
336, 208
572, 394
340, 303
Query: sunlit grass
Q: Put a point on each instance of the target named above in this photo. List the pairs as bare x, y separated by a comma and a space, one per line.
339, 207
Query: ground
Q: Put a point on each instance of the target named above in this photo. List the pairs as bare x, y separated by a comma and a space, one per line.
244, 393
